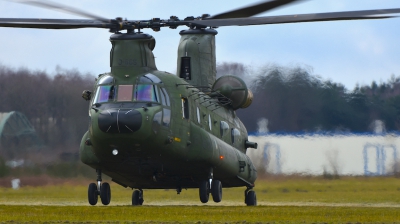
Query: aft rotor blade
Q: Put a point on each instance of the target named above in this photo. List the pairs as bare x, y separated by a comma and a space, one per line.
315, 17
54, 23
253, 9
60, 7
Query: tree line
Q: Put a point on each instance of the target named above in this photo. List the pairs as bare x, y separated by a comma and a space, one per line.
292, 99
52, 102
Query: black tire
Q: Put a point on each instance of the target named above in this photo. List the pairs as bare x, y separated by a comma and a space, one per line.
251, 198
137, 198
204, 191
93, 194
105, 194
216, 190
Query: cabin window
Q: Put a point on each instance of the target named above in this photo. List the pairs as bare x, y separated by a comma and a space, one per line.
198, 116
104, 94
125, 93
185, 108
145, 92
224, 127
235, 135
209, 121
162, 96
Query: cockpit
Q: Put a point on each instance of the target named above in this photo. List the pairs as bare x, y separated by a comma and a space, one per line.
117, 104
146, 89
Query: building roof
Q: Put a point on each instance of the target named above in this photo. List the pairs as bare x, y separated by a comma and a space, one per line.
15, 125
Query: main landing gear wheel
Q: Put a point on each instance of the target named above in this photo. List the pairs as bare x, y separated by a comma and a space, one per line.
105, 193
137, 197
216, 190
250, 198
204, 191
93, 194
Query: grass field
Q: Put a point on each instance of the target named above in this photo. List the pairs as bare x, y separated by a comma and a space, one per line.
280, 199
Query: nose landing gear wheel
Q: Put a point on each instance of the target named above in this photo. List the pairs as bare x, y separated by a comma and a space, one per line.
137, 197
216, 190
251, 199
93, 194
204, 191
105, 193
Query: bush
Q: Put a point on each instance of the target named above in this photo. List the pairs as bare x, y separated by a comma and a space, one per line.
4, 170
70, 170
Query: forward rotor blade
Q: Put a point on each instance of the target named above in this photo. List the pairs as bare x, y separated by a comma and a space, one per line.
316, 17
252, 9
53, 23
60, 7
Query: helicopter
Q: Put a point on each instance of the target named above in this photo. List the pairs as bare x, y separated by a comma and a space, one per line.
150, 129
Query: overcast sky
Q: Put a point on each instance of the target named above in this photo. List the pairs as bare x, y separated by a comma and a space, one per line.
348, 52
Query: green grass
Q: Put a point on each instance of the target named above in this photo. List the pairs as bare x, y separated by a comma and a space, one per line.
285, 214
282, 200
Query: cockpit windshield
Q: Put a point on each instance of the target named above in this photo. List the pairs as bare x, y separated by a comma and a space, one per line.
125, 93
146, 90
105, 94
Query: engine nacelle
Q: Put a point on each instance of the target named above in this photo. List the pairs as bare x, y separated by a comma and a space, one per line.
234, 89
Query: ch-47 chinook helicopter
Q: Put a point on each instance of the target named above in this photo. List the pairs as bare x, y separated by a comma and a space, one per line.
155, 130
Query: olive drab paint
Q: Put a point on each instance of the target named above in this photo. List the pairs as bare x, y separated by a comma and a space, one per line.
150, 129
170, 149
196, 56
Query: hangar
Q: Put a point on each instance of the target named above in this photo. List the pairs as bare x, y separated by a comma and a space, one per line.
16, 134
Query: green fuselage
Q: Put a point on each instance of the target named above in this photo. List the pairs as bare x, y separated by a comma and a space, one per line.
154, 130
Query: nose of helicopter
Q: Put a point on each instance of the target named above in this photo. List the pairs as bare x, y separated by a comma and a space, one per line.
119, 120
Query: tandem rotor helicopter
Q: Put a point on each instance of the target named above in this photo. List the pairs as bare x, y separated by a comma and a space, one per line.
151, 129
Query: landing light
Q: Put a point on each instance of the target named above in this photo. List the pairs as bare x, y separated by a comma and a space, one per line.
115, 152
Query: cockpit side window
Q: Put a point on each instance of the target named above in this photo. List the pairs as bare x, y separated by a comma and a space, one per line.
163, 101
164, 97
166, 117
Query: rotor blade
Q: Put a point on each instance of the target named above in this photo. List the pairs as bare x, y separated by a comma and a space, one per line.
60, 7
53, 23
252, 9
316, 17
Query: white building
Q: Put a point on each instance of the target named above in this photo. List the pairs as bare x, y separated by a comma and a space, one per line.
353, 154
